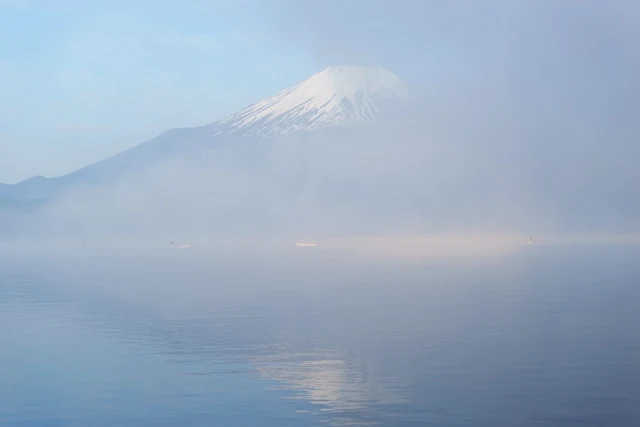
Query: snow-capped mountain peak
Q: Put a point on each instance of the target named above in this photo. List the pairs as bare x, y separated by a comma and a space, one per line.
333, 96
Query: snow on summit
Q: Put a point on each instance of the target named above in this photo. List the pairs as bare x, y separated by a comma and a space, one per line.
335, 95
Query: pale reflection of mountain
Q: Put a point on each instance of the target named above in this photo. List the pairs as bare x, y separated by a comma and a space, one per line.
343, 388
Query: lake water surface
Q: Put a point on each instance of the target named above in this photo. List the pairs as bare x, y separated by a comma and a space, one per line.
546, 337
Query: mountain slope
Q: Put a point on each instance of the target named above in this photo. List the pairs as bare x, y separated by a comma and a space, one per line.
334, 97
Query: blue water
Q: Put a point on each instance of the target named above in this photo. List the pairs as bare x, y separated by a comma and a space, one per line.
547, 337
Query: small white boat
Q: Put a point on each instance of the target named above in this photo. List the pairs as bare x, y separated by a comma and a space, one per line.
174, 245
305, 245
530, 240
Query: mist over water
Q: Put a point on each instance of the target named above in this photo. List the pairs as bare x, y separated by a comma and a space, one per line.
401, 177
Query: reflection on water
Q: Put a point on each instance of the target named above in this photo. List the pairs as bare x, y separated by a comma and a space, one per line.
540, 339
330, 384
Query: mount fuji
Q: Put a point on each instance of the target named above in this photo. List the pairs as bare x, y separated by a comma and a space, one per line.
336, 97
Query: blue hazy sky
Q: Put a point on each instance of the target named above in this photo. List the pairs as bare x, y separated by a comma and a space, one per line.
82, 80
